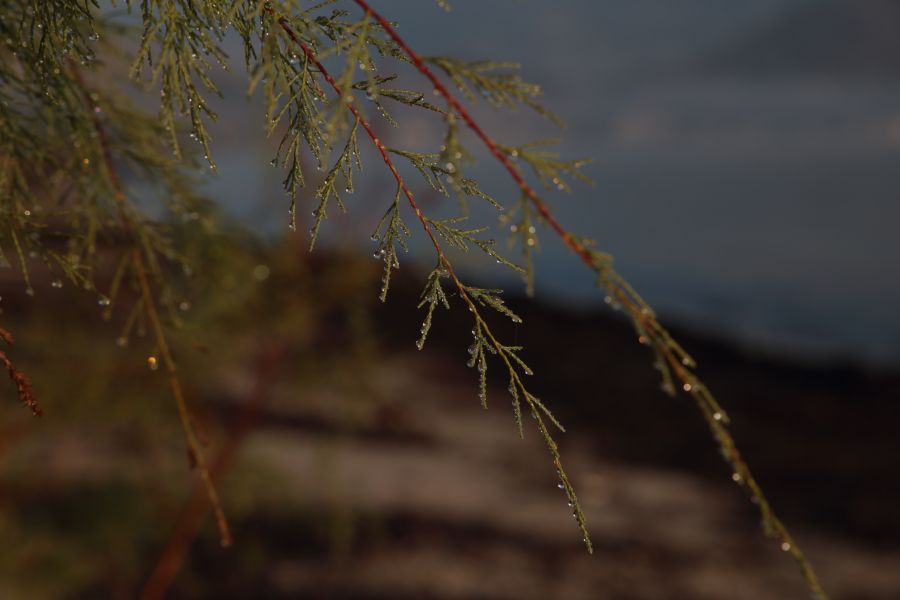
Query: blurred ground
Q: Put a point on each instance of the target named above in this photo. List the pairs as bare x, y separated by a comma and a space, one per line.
371, 472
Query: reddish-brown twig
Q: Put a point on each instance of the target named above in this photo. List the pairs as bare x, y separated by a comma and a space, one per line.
445, 263
372, 135
20, 379
673, 355
573, 244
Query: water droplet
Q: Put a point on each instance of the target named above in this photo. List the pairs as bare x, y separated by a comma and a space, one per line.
687, 387
152, 363
122, 341
736, 477
560, 486
785, 547
57, 283
184, 306
717, 416
103, 301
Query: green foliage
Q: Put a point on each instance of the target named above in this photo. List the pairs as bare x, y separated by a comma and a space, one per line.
328, 189
84, 169
494, 82
432, 296
466, 238
375, 91
549, 169
390, 234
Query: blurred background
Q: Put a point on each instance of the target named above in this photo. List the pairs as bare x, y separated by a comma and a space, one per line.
747, 160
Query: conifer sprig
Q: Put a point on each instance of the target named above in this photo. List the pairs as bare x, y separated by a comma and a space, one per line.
432, 295
674, 359
438, 171
375, 90
141, 255
550, 170
464, 239
494, 81
484, 338
390, 234
328, 189
180, 42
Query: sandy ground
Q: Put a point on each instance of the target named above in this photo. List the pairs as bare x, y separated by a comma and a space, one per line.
462, 508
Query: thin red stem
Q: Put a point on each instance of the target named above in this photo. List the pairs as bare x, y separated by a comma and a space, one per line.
587, 257
573, 244
376, 141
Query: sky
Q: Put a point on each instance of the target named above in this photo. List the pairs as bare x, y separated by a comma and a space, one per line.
746, 155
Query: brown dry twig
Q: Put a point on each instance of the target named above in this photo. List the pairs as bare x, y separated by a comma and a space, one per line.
20, 379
